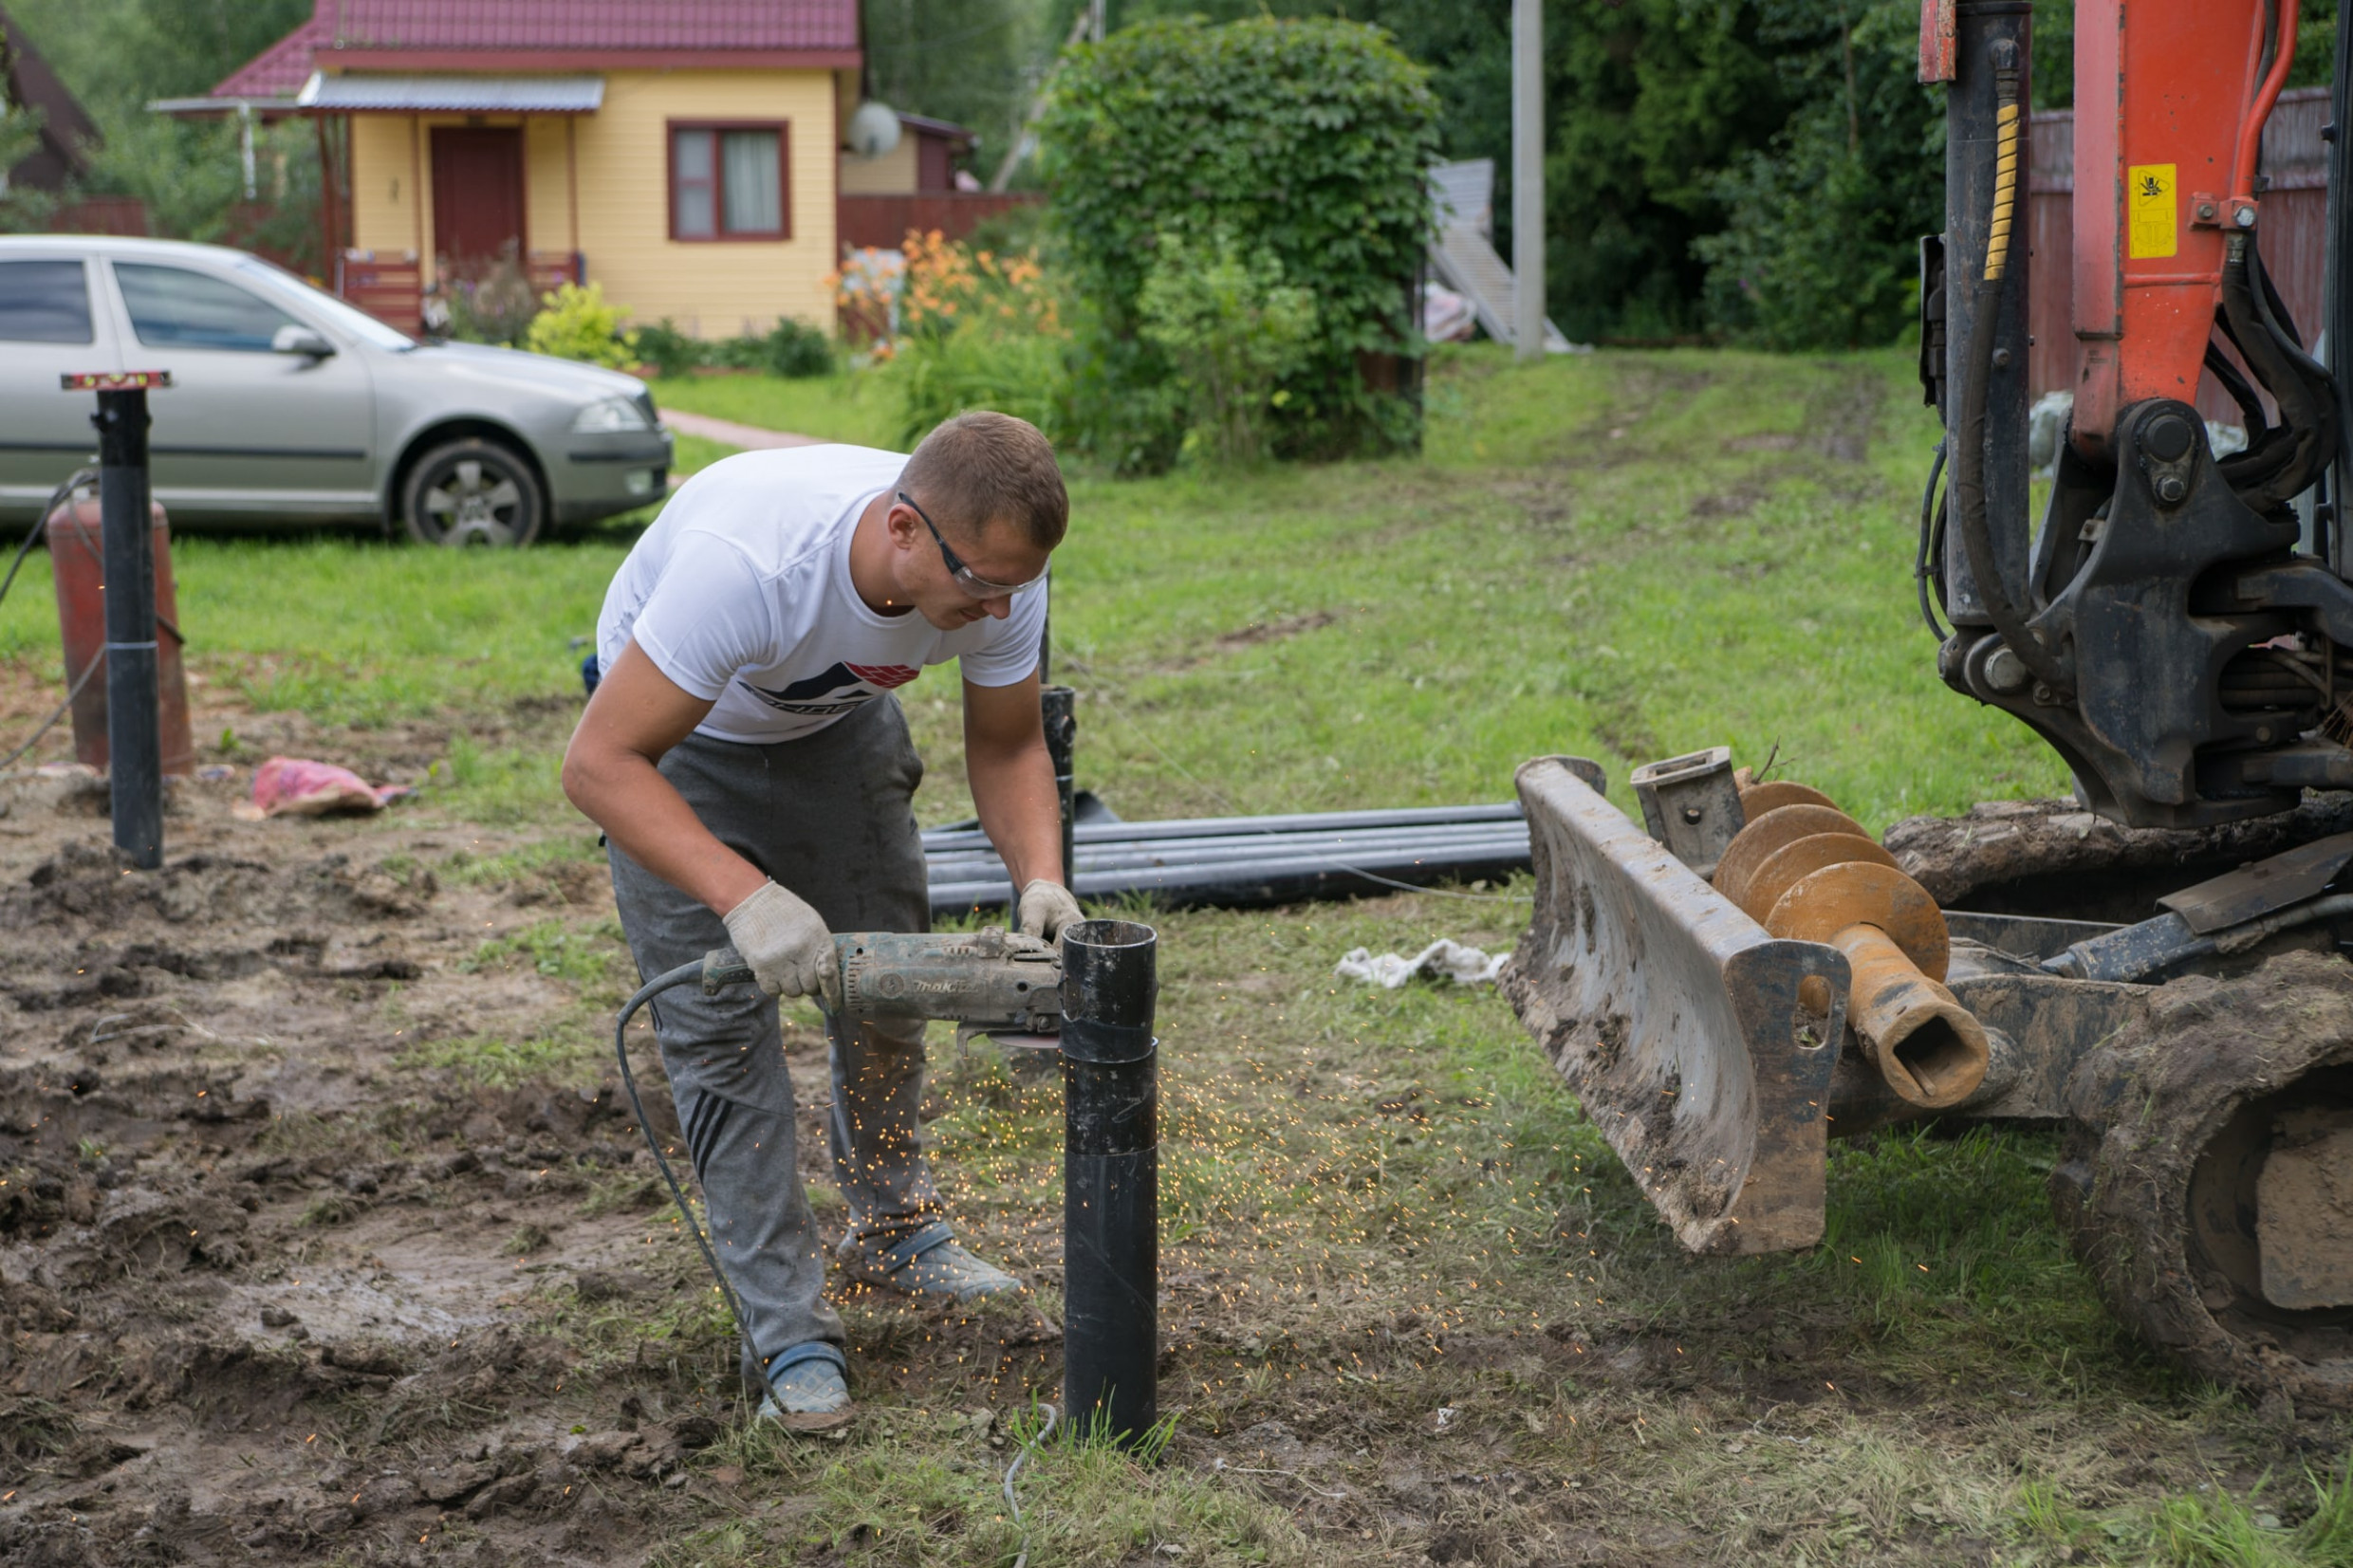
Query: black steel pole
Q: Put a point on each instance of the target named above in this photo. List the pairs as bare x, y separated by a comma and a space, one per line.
1111, 1177
133, 738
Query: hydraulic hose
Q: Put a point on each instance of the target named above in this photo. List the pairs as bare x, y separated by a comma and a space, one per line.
2289, 457
683, 974
1969, 459
2242, 392
1927, 546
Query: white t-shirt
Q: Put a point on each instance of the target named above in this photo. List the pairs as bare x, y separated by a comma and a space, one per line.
740, 593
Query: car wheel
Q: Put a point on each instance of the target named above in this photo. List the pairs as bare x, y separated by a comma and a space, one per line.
472, 493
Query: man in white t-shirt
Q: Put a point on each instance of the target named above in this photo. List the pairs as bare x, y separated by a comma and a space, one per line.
753, 774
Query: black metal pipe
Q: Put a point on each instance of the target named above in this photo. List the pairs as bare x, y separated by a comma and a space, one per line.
1111, 1180
134, 736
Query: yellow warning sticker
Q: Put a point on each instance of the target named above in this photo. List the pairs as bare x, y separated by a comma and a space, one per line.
2151, 222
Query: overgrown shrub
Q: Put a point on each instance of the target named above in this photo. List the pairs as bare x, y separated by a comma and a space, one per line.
974, 329
796, 350
669, 351
575, 323
790, 348
23, 210
1306, 142
1233, 329
1819, 244
488, 301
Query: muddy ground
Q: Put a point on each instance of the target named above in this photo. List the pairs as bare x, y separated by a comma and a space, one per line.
326, 1236
272, 1287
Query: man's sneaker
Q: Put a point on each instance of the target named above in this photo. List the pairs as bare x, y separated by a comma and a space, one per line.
813, 1393
941, 1272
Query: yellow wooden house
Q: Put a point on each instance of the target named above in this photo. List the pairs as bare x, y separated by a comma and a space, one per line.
684, 154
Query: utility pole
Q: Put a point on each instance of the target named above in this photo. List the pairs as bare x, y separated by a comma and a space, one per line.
1528, 245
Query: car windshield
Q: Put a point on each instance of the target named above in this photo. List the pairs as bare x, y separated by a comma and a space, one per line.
350, 317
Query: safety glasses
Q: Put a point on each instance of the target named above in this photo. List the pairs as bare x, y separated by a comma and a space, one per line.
979, 587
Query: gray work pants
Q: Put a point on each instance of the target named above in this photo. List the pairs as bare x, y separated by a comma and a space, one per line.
829, 817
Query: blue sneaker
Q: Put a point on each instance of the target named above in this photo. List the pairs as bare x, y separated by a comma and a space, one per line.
939, 1271
815, 1397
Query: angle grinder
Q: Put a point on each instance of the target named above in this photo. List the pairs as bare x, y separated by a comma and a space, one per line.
992, 982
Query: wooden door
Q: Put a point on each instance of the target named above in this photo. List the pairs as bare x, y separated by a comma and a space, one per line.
477, 192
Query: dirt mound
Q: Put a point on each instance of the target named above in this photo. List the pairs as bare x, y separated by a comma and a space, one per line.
2054, 858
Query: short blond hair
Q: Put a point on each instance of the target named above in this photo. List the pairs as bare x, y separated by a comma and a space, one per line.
983, 467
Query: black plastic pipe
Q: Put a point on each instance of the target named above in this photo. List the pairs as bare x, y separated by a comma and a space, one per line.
1198, 827
1111, 1180
960, 864
134, 736
1058, 706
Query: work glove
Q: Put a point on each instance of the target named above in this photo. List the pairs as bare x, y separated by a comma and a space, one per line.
1046, 908
787, 947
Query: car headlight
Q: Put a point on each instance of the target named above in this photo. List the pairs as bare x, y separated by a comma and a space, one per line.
610, 416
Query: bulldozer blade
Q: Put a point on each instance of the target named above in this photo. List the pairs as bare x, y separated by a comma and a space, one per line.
1676, 1020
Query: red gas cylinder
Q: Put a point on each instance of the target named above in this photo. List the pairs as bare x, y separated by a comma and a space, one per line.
77, 561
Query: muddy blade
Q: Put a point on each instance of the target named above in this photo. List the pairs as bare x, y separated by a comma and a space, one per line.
1676, 1020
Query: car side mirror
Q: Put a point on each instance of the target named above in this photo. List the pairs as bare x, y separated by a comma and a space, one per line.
301, 339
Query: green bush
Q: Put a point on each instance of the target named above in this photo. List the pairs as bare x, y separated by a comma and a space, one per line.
575, 323
796, 350
669, 351
1306, 142
1233, 329
975, 367
792, 349
1818, 247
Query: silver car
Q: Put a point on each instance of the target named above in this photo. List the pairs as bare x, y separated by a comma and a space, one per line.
287, 405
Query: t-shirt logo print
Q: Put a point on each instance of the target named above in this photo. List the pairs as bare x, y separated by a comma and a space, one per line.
836, 689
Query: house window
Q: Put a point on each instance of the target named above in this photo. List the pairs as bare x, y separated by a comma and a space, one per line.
727, 182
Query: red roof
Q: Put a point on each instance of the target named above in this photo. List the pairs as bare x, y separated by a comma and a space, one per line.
550, 34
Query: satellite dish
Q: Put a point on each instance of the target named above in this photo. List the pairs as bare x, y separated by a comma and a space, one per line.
874, 129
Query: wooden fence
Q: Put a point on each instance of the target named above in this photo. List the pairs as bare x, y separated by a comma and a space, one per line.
881, 222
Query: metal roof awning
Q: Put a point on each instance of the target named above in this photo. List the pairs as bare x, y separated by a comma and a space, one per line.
475, 95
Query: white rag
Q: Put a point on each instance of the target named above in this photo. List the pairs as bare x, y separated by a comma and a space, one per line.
1463, 966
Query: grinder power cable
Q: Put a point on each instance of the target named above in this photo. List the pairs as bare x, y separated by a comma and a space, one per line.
989, 981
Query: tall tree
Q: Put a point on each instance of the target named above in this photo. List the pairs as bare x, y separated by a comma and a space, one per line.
974, 61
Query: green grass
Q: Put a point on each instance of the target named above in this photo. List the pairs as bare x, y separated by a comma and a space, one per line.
1379, 1206
1624, 556
858, 407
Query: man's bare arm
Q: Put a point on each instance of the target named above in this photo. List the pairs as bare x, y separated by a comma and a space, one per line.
1013, 778
637, 715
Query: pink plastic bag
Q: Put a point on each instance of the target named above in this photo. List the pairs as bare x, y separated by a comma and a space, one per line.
293, 786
